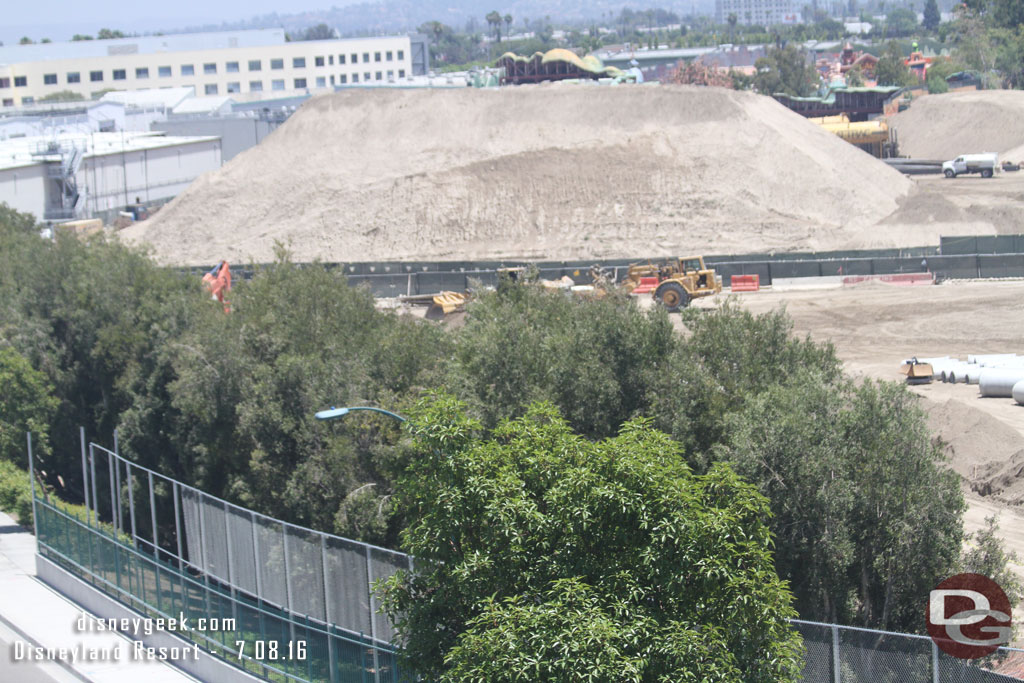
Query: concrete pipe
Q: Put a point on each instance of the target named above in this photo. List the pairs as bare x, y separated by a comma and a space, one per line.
999, 382
973, 374
958, 373
1018, 392
987, 359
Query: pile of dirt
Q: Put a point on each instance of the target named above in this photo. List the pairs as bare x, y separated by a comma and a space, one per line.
551, 171
985, 451
945, 126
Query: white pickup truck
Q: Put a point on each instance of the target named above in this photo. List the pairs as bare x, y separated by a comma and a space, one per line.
986, 164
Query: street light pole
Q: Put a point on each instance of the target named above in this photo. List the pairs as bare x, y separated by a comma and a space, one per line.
334, 413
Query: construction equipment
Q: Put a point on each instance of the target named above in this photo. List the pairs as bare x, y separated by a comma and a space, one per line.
218, 282
673, 284
917, 372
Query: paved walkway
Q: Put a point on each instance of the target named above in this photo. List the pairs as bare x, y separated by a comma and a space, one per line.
34, 615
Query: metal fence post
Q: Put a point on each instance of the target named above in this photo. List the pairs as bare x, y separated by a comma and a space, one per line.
131, 498
837, 675
373, 611
288, 583
935, 663
152, 515
92, 476
118, 521
231, 565
32, 482
327, 611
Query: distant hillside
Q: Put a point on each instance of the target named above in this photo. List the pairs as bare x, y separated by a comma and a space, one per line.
393, 16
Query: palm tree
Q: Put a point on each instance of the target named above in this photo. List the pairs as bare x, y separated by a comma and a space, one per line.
494, 21
508, 25
732, 26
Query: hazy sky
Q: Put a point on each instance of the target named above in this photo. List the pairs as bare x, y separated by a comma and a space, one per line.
59, 20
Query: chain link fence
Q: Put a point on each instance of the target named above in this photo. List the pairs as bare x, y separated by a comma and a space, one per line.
846, 654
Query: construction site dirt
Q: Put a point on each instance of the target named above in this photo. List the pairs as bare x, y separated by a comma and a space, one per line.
875, 326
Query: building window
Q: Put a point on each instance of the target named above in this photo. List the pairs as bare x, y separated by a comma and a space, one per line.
234, 87
366, 57
343, 79
120, 74
319, 61
332, 79
188, 70
163, 71
277, 84
276, 63
401, 73
49, 79
255, 86
94, 76
376, 56
74, 77
341, 59
142, 72
210, 68
298, 62
391, 75
366, 77
28, 100
401, 55
210, 89
355, 78
5, 83
321, 82
22, 81
300, 83
330, 60
9, 102
255, 65
355, 58
388, 55
231, 67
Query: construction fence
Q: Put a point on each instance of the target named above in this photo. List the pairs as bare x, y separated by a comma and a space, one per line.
986, 256
307, 598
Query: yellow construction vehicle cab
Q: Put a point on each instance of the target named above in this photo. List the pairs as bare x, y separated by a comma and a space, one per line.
673, 284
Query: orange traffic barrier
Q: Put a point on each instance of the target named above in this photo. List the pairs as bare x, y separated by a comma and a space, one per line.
647, 284
745, 283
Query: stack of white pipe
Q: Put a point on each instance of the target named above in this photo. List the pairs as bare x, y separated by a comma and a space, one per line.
1000, 382
1018, 392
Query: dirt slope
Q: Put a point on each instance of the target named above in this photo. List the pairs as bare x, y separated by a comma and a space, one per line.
944, 126
548, 171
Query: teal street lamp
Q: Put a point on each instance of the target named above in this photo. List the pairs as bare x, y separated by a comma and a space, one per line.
335, 413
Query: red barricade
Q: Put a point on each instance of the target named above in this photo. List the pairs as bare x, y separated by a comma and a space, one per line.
745, 283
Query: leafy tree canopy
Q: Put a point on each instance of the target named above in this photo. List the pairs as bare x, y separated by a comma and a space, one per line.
544, 556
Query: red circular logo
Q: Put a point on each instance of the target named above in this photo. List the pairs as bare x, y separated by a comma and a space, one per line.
969, 616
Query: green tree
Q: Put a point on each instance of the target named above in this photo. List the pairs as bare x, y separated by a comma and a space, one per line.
27, 404
494, 21
785, 70
25, 40
867, 519
900, 22
62, 96
1008, 13
892, 69
78, 36
108, 34
931, 16
318, 32
508, 24
855, 77
523, 343
539, 551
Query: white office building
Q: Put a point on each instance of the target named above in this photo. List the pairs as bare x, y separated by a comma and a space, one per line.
245, 65
758, 12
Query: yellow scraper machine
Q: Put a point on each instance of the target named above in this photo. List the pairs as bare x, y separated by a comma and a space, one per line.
675, 283
917, 372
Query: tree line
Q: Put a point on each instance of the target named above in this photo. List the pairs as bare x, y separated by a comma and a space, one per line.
824, 497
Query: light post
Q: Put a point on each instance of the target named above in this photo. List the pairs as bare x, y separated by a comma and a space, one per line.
334, 413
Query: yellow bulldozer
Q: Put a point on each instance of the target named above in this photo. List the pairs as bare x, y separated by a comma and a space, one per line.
675, 283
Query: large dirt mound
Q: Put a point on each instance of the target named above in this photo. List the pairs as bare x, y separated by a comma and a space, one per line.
945, 126
556, 171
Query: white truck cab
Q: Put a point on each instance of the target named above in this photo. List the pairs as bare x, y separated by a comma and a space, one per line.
986, 164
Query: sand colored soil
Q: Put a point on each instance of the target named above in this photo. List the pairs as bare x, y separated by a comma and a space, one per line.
945, 126
537, 172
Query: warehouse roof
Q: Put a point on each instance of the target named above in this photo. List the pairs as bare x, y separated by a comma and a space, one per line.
36, 149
